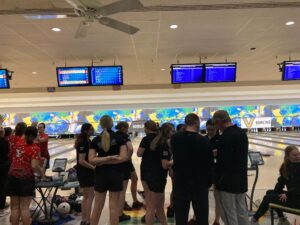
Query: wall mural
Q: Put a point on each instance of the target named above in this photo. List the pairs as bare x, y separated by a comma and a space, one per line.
244, 116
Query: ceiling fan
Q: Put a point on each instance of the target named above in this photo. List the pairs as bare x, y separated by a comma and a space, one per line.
93, 10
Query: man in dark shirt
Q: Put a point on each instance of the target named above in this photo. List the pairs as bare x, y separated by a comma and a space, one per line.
4, 166
193, 162
231, 170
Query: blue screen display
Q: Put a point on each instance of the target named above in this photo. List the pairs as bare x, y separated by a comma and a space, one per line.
106, 75
187, 74
3, 79
291, 71
72, 76
220, 72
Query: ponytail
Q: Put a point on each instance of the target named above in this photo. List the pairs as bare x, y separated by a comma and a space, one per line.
105, 140
106, 123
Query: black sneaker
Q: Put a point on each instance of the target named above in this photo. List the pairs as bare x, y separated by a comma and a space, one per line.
137, 205
127, 207
124, 217
170, 212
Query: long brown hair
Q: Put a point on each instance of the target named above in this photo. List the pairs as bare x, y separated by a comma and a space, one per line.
283, 168
83, 134
163, 135
106, 124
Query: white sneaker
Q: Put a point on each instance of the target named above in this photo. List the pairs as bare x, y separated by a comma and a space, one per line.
3, 212
283, 221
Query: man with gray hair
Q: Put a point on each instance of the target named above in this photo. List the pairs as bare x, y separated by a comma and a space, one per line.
231, 170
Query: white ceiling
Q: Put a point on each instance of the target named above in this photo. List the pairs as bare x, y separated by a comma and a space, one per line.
30, 45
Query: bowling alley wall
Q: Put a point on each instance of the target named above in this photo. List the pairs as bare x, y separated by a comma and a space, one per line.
257, 116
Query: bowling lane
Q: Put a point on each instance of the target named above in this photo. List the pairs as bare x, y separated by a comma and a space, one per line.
287, 134
279, 140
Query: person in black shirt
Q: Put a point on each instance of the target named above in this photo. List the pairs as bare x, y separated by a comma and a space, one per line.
122, 128
170, 210
4, 167
160, 156
231, 182
143, 151
193, 163
85, 171
290, 178
212, 136
107, 152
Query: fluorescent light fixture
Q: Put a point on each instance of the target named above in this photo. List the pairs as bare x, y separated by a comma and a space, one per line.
162, 69
34, 73
290, 23
56, 29
45, 17
174, 26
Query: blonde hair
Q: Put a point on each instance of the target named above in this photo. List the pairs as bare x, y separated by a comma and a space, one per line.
106, 123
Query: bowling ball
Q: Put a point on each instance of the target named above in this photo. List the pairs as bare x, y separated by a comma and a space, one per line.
64, 208
73, 197
77, 205
72, 175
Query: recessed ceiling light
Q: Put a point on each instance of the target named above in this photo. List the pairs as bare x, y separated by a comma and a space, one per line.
56, 29
252, 49
174, 26
290, 23
162, 69
34, 73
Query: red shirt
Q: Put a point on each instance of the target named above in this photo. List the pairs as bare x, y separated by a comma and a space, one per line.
13, 140
21, 160
44, 146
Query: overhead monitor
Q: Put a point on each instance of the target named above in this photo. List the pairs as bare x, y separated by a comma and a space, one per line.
187, 73
106, 75
291, 70
4, 82
220, 72
72, 76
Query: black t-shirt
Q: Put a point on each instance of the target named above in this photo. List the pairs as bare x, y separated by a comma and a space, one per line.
145, 144
161, 152
116, 142
83, 148
4, 151
232, 161
193, 158
126, 139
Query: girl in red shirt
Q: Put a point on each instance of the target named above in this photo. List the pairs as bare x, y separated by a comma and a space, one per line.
42, 142
20, 183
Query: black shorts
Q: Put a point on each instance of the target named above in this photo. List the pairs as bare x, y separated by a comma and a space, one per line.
19, 187
85, 178
157, 185
109, 180
131, 166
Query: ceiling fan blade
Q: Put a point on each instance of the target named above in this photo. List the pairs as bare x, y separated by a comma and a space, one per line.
120, 6
91, 3
82, 29
120, 26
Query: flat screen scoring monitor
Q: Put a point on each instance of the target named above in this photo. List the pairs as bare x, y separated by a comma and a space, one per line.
106, 75
291, 70
72, 76
4, 83
187, 73
220, 72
